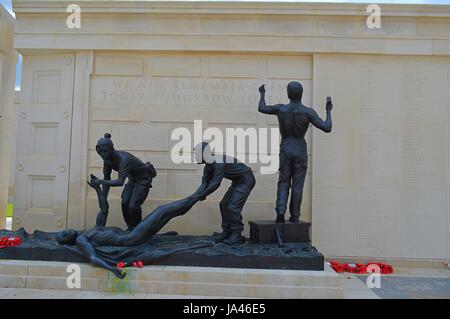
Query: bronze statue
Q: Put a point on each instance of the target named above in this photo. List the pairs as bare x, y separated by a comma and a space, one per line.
87, 242
242, 178
139, 176
294, 119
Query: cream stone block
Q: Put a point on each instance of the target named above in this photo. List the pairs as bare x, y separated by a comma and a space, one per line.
117, 114
255, 291
207, 275
30, 24
127, 23
14, 281
257, 277
388, 179
287, 25
97, 131
13, 269
60, 270
162, 288
160, 274
433, 27
183, 24
225, 25
141, 137
233, 68
399, 27
164, 162
236, 116
441, 47
175, 66
153, 287
290, 68
60, 283
226, 290
172, 114
334, 26
315, 280
119, 65
419, 219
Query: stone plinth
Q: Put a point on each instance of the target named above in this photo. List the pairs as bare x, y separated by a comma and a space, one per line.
296, 256
200, 281
265, 232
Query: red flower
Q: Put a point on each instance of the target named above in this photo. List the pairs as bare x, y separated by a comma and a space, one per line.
360, 268
120, 265
138, 264
10, 241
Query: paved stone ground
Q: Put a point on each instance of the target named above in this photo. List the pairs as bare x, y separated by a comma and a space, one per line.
25, 293
414, 283
354, 288
405, 283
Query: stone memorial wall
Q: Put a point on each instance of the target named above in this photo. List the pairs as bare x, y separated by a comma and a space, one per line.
377, 186
381, 180
141, 99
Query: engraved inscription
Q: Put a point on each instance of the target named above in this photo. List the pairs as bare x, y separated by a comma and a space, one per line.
185, 91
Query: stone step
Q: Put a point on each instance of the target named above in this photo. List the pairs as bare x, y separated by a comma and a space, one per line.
176, 280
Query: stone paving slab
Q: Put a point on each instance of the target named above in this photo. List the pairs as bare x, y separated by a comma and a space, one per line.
26, 293
409, 287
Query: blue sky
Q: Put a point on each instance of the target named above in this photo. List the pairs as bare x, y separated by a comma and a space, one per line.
7, 5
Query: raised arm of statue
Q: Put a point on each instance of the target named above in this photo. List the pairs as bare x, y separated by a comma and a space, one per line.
318, 122
262, 107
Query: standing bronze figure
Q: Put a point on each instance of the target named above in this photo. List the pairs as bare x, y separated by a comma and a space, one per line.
135, 192
242, 182
294, 119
